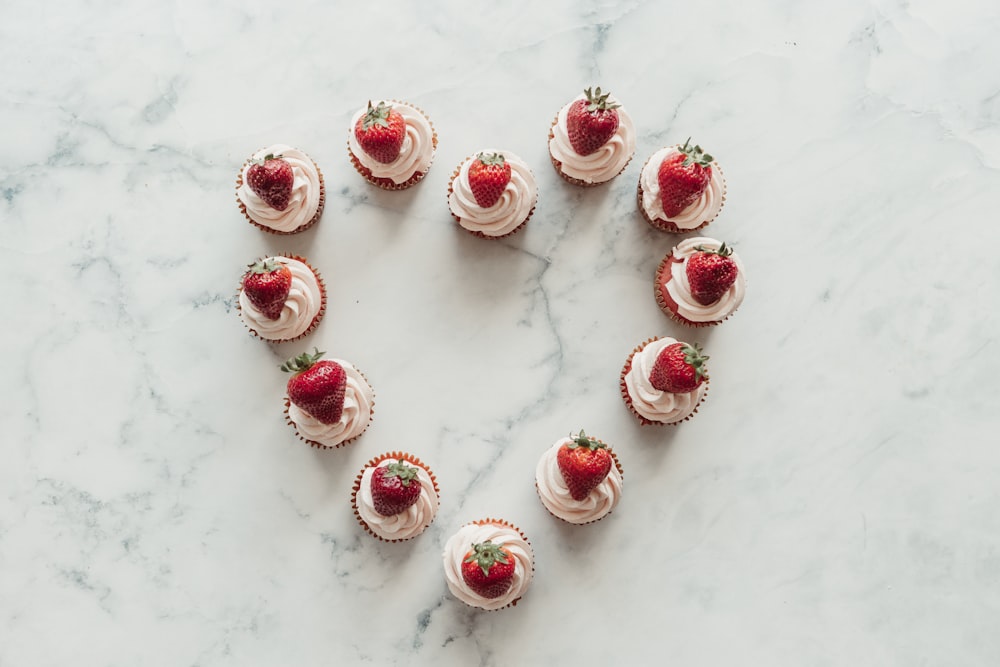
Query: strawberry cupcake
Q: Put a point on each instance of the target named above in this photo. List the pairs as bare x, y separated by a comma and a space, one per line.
395, 497
664, 381
488, 564
391, 144
579, 479
280, 190
281, 298
329, 402
592, 139
701, 282
681, 189
492, 194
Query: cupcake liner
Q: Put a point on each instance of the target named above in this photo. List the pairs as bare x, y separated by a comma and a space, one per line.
666, 225
316, 319
667, 304
320, 445
618, 465
506, 524
481, 235
628, 399
269, 230
388, 183
409, 458
576, 181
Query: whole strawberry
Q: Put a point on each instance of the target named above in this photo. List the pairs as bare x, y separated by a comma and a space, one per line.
381, 131
683, 177
710, 273
489, 174
394, 488
583, 463
679, 368
266, 285
591, 122
317, 387
271, 178
488, 569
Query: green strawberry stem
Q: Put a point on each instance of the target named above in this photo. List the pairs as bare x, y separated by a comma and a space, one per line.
302, 362
485, 555
491, 159
376, 115
405, 473
269, 265
598, 101
694, 358
269, 156
695, 155
723, 251
581, 440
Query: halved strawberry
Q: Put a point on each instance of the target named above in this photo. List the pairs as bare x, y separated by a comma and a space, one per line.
317, 387
710, 273
488, 569
489, 174
394, 488
679, 368
380, 132
683, 177
271, 178
583, 463
266, 285
591, 122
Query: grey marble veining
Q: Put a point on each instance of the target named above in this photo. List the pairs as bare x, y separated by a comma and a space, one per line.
834, 502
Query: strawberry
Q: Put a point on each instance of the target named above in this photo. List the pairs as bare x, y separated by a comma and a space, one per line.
271, 178
591, 122
267, 284
710, 273
489, 174
394, 488
317, 386
683, 177
488, 569
679, 368
583, 463
381, 131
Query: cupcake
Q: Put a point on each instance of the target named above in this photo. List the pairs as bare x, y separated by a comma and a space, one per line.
391, 144
701, 282
579, 479
281, 298
493, 194
280, 190
592, 139
681, 189
395, 497
664, 381
488, 564
329, 402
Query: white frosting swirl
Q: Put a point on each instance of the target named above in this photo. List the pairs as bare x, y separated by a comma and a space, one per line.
679, 288
410, 522
306, 187
650, 402
557, 499
302, 304
460, 544
603, 164
415, 155
703, 210
513, 207
357, 413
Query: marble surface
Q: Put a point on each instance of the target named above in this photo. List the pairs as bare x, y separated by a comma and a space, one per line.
833, 503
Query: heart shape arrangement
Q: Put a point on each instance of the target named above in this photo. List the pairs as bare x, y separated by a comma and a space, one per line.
663, 382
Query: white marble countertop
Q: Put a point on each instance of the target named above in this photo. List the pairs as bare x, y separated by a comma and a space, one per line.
834, 502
